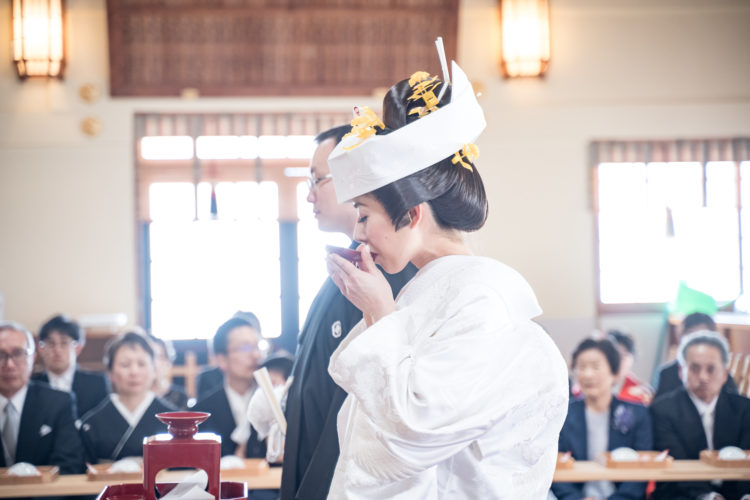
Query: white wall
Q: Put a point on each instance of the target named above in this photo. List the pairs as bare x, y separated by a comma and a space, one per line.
625, 69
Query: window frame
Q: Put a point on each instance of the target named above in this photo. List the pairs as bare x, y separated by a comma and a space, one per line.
703, 151
196, 170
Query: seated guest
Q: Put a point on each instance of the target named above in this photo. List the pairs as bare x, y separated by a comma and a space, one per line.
236, 349
601, 422
629, 387
37, 422
61, 340
669, 378
115, 428
235, 346
700, 415
163, 387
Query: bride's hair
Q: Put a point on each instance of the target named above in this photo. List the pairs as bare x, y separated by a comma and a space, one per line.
455, 194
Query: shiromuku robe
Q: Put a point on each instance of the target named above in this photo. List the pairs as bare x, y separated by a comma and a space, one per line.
456, 394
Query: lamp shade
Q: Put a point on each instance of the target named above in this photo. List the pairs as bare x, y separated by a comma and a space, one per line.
525, 37
38, 38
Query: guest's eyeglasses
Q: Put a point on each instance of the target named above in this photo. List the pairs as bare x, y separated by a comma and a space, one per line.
18, 356
314, 183
65, 344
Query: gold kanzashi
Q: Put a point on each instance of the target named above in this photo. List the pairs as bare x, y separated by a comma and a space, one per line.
470, 152
364, 125
423, 85
418, 77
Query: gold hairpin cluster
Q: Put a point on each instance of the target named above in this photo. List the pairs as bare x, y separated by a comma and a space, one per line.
364, 124
470, 152
423, 86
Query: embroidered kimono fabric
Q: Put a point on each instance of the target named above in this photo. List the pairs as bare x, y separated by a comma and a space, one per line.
456, 394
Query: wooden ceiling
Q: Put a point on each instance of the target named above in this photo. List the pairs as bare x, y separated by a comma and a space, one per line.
265, 47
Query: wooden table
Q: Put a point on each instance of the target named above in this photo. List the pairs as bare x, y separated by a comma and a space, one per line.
78, 484
681, 470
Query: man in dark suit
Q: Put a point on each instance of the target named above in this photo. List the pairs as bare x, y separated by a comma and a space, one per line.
36, 421
700, 415
669, 374
235, 346
313, 402
61, 340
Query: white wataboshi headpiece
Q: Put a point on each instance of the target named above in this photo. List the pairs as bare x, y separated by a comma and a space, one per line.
362, 163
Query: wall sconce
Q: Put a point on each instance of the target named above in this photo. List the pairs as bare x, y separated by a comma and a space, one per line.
38, 38
525, 37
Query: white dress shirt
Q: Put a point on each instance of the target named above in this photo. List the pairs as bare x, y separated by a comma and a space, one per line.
17, 400
597, 439
707, 412
239, 403
63, 382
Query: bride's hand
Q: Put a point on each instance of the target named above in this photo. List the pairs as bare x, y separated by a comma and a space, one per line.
365, 287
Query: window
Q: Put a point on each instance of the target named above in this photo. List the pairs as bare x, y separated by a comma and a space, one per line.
221, 215
668, 218
204, 270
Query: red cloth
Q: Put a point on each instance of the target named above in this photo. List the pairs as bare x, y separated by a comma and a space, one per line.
635, 391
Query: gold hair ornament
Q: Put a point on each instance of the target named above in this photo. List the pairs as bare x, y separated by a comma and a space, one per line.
470, 152
364, 124
423, 86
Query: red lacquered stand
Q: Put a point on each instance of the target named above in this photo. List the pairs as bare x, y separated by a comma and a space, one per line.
182, 447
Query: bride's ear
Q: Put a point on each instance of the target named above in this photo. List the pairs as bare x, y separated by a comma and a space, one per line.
416, 214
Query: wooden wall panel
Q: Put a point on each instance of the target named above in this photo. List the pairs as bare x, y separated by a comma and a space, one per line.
285, 47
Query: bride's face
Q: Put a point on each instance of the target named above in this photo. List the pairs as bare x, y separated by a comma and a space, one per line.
374, 227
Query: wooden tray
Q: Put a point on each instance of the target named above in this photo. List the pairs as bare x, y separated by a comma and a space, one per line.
712, 457
253, 467
47, 474
99, 472
646, 461
567, 464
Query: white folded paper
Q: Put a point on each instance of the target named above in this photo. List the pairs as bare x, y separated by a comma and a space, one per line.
192, 487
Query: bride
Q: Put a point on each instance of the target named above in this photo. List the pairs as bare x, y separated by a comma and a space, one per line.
453, 390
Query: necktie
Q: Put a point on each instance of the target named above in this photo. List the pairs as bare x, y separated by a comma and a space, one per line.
10, 432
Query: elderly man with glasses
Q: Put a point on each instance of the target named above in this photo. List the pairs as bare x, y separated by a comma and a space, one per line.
699, 415
36, 421
61, 340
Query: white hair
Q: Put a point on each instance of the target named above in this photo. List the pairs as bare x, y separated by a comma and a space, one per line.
18, 327
703, 337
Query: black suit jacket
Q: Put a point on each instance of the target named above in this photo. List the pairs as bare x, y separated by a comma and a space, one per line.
209, 380
90, 388
312, 448
222, 423
678, 427
47, 433
669, 380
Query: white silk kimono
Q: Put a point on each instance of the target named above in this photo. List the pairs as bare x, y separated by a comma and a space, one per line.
457, 394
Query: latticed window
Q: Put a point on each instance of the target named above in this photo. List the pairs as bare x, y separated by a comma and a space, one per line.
221, 214
670, 212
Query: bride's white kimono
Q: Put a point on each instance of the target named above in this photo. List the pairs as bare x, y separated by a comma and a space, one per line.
456, 394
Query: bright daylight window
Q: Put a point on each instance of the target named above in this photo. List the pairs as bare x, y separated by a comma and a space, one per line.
204, 269
223, 221
660, 223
